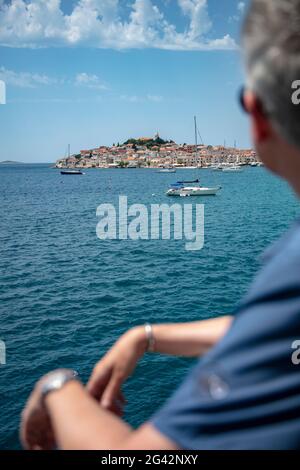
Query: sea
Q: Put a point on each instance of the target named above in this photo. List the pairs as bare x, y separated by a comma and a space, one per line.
66, 295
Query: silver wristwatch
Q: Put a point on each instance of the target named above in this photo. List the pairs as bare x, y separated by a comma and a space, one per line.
56, 380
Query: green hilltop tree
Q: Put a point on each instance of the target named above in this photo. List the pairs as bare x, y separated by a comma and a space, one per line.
158, 141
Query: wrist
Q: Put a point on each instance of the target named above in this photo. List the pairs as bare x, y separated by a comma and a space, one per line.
138, 337
67, 392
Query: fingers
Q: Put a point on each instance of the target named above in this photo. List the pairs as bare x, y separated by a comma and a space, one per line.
105, 385
117, 407
112, 390
98, 381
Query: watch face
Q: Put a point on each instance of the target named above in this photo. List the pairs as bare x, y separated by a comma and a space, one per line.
57, 380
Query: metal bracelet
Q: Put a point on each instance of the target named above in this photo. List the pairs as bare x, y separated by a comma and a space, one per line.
150, 338
55, 380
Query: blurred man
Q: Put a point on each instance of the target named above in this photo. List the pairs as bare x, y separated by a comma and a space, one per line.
245, 391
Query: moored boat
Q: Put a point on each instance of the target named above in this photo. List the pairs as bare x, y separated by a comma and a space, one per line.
217, 168
71, 172
232, 168
184, 188
184, 191
167, 170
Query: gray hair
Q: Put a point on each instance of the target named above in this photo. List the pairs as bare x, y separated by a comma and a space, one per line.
271, 42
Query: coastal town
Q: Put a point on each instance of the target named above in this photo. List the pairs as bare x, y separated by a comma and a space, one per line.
154, 152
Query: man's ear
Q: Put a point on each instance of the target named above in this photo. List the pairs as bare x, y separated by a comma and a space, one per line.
262, 129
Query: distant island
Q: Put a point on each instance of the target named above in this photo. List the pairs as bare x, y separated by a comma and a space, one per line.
11, 162
155, 152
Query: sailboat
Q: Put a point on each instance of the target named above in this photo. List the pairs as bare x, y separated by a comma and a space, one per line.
233, 167
182, 190
71, 171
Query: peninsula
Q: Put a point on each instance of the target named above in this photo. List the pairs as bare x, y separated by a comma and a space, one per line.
155, 152
11, 162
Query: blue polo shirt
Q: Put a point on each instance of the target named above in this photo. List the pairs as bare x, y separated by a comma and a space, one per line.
245, 393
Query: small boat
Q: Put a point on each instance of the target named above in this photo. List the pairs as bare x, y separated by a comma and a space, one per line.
188, 182
189, 168
167, 170
184, 191
217, 168
233, 168
71, 172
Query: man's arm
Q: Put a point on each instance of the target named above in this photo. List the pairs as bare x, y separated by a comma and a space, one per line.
80, 423
73, 419
181, 339
190, 339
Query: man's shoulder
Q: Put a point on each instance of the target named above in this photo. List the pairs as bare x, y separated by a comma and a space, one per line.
281, 265
289, 243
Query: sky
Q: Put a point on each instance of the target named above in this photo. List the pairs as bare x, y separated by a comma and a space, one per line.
97, 72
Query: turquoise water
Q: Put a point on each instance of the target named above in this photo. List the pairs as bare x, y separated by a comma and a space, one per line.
66, 296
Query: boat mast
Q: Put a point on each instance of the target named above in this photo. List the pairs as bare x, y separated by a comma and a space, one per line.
196, 136
68, 150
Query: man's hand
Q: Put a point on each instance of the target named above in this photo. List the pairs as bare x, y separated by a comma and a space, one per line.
114, 368
36, 431
186, 339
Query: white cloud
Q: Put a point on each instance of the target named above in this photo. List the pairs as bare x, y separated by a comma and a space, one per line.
82, 79
25, 79
55, 100
130, 98
142, 99
97, 23
90, 81
33, 80
200, 22
241, 7
155, 98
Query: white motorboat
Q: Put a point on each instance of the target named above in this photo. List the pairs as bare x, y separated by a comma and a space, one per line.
233, 168
167, 170
217, 168
256, 164
184, 191
189, 168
